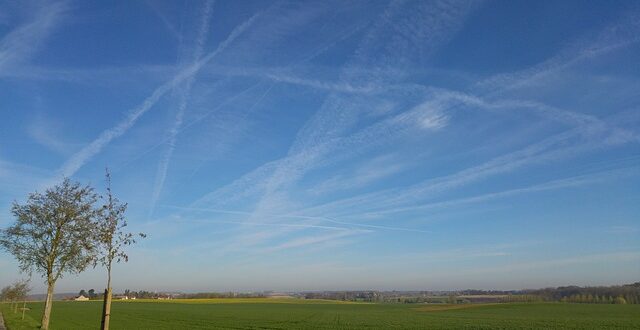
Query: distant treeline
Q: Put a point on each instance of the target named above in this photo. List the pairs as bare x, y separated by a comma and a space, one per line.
212, 295
370, 296
618, 294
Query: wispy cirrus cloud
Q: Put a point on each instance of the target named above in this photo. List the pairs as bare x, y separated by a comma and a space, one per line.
363, 136
47, 132
329, 136
276, 23
17, 179
583, 129
312, 240
621, 34
314, 220
371, 171
318, 84
565, 183
184, 92
445, 101
429, 25
584, 125
164, 19
21, 44
73, 164
554, 148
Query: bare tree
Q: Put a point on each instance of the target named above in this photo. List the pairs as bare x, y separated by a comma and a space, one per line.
52, 234
112, 238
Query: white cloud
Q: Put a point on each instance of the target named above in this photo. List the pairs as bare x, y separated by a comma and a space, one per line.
431, 116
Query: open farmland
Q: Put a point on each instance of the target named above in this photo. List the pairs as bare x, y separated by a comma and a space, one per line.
318, 314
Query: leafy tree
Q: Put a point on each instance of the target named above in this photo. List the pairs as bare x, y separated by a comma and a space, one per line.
83, 293
52, 234
92, 293
112, 239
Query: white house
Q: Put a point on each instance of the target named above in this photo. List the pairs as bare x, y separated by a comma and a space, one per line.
81, 298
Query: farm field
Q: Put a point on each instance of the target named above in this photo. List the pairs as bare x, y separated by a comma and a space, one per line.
318, 314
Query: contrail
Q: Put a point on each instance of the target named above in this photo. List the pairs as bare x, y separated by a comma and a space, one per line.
577, 119
295, 216
185, 95
294, 225
73, 164
314, 53
337, 114
614, 37
546, 150
550, 185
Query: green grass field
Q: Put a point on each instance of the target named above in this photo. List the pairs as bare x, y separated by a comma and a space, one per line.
300, 314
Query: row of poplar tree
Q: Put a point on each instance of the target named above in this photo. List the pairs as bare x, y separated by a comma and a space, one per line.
65, 230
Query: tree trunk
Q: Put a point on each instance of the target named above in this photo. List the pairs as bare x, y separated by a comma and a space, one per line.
47, 308
106, 305
106, 309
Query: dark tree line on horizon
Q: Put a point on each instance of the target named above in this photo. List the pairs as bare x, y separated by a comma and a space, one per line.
615, 294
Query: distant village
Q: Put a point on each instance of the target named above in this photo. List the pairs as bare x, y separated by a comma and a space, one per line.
126, 295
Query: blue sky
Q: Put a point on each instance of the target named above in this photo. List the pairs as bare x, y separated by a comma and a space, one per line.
335, 145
